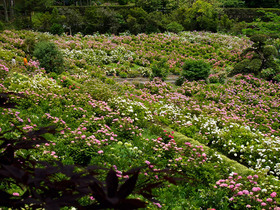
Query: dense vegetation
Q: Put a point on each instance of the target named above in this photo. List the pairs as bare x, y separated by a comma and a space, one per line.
71, 136
221, 135
143, 16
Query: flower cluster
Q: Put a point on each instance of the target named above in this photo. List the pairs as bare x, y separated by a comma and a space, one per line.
247, 191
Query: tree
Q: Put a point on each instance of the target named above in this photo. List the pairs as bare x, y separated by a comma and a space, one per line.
103, 20
232, 3
202, 16
30, 6
72, 19
137, 20
6, 10
149, 5
12, 4
262, 3
49, 57
262, 61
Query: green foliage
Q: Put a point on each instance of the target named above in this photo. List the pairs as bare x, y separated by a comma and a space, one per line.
1, 26
31, 40
122, 2
102, 20
72, 19
232, 3
276, 43
201, 16
109, 132
267, 23
262, 3
174, 27
214, 78
194, 70
49, 57
160, 69
155, 22
57, 29
238, 27
225, 24
277, 78
261, 62
46, 21
149, 5
123, 74
22, 22
29, 44
136, 20
41, 21
56, 17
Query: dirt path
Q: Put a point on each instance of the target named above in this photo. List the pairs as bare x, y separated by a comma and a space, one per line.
170, 79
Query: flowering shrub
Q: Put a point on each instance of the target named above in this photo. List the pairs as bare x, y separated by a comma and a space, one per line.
3, 72
247, 192
19, 82
214, 78
219, 50
120, 125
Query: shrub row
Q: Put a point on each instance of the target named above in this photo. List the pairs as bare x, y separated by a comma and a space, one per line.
248, 14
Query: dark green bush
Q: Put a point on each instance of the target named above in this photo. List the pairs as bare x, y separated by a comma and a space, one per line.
123, 74
202, 16
72, 19
265, 23
233, 3
57, 29
268, 73
49, 57
263, 59
149, 5
194, 70
53, 75
1, 26
174, 27
22, 22
155, 22
103, 20
180, 81
137, 20
277, 78
29, 44
160, 69
238, 27
122, 2
225, 24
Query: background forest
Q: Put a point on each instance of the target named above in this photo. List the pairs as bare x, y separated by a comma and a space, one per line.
142, 16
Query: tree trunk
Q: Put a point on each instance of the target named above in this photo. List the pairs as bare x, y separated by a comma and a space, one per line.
12, 4
30, 16
6, 11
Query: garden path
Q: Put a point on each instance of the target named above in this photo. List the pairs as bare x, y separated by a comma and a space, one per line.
170, 79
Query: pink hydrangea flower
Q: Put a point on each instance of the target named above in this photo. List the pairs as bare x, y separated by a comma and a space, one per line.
246, 192
256, 189
269, 200
273, 195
